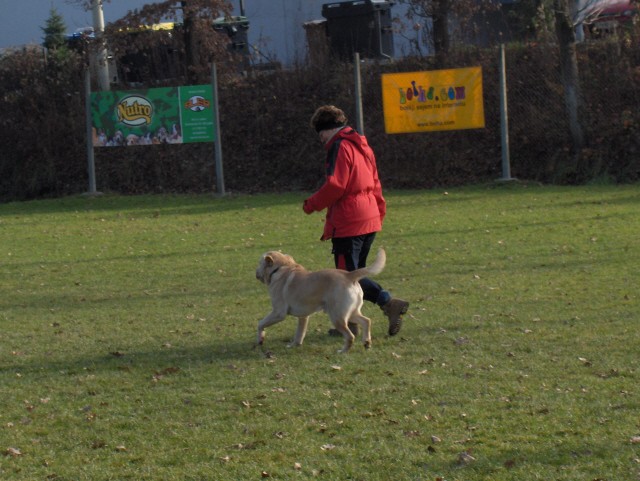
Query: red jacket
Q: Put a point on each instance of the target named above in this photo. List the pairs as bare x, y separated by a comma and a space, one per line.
352, 193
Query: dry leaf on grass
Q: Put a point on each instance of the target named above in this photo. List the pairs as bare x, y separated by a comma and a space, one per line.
13, 452
165, 372
584, 361
465, 458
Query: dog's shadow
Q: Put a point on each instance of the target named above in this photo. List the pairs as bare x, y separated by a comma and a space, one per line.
152, 360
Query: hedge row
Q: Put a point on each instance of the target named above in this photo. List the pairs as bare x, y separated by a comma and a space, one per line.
268, 146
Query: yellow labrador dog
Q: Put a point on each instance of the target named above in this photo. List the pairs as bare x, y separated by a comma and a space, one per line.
298, 292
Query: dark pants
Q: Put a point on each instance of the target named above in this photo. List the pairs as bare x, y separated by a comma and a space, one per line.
350, 253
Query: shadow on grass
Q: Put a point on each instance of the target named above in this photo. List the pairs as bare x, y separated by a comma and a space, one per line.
153, 204
558, 197
156, 360
219, 348
133, 258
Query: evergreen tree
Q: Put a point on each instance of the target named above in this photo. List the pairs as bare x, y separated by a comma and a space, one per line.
54, 30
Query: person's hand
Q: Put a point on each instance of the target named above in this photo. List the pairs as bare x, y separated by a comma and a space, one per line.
307, 208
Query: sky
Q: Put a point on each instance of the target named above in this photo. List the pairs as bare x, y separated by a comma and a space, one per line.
21, 21
274, 25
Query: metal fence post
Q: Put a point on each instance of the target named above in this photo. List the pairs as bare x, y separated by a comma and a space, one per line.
358, 90
89, 132
218, 145
504, 119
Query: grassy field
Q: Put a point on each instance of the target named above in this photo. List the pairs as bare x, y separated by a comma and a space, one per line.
127, 330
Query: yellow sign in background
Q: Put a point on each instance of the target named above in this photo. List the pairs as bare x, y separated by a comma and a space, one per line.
435, 100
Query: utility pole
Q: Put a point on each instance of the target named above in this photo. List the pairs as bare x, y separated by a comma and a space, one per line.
102, 67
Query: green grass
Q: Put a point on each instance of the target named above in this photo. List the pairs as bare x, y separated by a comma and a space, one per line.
127, 327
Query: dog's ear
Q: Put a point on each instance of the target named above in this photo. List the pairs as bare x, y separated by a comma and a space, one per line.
268, 260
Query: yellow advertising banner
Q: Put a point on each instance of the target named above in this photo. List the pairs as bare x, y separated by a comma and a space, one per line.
435, 100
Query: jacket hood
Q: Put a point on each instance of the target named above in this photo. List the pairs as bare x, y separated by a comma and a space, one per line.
351, 135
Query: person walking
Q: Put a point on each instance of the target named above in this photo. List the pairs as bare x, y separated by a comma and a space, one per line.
352, 195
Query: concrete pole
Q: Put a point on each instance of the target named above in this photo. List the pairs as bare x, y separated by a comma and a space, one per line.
102, 67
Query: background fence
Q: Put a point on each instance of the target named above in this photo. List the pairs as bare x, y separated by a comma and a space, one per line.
268, 145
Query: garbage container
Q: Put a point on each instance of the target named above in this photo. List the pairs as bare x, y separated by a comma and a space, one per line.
236, 29
362, 26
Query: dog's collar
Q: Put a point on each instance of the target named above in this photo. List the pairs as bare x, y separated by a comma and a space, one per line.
272, 273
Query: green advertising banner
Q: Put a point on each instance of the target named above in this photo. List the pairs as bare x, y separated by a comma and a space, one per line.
167, 115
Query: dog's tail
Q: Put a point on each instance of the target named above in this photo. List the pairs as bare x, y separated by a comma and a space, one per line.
372, 270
